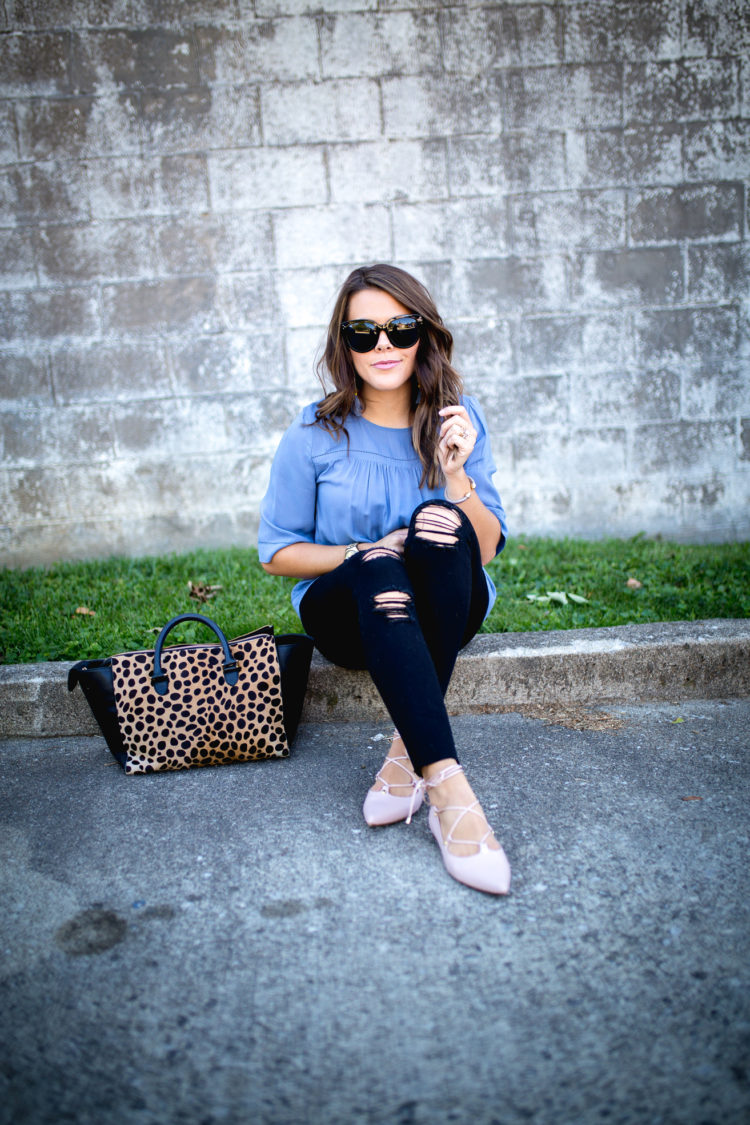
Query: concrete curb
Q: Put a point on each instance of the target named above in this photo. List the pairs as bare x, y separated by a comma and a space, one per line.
666, 662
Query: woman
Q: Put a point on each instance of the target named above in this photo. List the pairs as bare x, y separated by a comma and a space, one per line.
381, 502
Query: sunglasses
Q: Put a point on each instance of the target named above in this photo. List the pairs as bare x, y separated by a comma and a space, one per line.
363, 335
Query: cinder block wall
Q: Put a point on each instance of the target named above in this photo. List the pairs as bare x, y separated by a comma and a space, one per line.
185, 183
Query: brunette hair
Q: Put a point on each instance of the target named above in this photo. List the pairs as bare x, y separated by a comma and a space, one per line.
435, 382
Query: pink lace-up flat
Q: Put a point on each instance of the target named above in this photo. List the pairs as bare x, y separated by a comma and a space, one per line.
383, 807
486, 870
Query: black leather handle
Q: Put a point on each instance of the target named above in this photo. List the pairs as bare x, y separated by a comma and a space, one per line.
159, 680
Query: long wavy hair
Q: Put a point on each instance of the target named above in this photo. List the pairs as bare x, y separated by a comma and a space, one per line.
435, 382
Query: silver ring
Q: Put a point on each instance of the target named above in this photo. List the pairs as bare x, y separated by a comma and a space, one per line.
464, 433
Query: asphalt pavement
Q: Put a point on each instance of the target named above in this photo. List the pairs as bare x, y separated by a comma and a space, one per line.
235, 946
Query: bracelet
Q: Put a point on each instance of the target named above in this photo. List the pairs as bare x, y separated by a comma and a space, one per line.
352, 549
461, 499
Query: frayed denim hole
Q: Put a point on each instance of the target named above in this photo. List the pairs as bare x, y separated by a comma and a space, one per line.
372, 553
393, 604
438, 525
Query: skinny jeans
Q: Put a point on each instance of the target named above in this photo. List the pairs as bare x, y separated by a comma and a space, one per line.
404, 618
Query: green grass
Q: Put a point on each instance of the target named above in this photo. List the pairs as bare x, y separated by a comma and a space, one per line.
133, 598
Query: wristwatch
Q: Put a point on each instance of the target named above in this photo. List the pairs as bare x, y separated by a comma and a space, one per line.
352, 549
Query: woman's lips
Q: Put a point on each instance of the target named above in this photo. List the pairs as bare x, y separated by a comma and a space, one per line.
387, 363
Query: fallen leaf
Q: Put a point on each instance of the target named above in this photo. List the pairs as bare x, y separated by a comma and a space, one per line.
557, 596
578, 599
676, 721
633, 584
202, 592
691, 798
84, 611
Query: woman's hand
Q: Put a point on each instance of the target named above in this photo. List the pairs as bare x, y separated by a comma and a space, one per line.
456, 439
394, 540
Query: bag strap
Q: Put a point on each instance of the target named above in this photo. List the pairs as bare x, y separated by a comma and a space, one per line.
159, 679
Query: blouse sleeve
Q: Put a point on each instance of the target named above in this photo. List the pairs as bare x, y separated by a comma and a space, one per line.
287, 512
481, 467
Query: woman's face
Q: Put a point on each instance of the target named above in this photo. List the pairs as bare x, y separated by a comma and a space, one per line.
385, 368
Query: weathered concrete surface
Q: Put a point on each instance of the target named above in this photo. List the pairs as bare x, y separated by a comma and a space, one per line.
680, 660
234, 946
183, 187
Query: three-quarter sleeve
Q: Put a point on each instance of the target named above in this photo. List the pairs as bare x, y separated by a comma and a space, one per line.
481, 467
287, 513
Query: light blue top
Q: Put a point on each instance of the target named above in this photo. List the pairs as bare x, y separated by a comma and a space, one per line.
322, 491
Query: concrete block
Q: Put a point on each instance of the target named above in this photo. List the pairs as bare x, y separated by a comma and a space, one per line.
717, 27
303, 347
702, 89
466, 229
684, 446
110, 372
618, 29
87, 251
76, 435
17, 265
385, 171
283, 50
321, 112
574, 452
307, 296
549, 343
567, 97
718, 273
720, 150
47, 314
652, 154
236, 363
745, 439
121, 188
8, 134
566, 219
483, 352
156, 431
554, 343
150, 57
52, 191
255, 422
744, 66
263, 178
622, 396
374, 44
316, 236
442, 105
249, 300
266, 9
541, 400
225, 243
30, 495
164, 306
643, 276
35, 64
25, 379
513, 162
679, 337
496, 286
475, 40
200, 119
716, 391
79, 127
668, 215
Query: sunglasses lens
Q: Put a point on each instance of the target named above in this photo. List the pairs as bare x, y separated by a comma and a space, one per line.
360, 335
403, 331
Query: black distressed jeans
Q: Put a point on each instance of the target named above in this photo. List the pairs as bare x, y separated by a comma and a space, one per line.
405, 618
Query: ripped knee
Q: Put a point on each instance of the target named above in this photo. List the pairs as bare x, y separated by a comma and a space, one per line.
438, 524
394, 604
